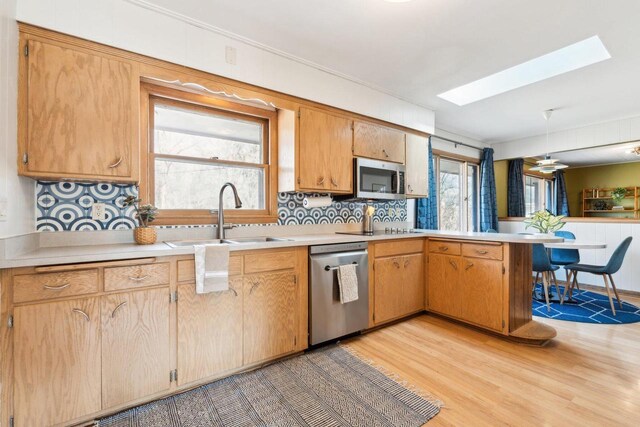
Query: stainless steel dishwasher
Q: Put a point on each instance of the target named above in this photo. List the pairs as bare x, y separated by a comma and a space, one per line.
328, 318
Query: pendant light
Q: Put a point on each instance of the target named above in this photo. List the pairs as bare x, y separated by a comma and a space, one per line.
548, 165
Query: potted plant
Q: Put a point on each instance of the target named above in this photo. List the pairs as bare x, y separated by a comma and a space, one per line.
145, 214
618, 194
545, 222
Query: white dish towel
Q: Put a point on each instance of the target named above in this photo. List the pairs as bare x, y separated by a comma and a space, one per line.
212, 268
348, 283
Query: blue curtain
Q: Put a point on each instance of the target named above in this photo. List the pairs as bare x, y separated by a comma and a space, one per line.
427, 209
515, 188
562, 202
488, 201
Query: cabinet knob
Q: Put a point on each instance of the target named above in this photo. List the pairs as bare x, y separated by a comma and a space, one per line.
116, 164
78, 311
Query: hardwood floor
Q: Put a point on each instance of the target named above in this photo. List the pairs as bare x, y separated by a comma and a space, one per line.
588, 376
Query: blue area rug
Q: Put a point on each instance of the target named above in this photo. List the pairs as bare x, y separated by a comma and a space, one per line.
589, 307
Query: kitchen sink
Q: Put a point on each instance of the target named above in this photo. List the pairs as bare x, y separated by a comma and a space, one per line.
245, 240
234, 241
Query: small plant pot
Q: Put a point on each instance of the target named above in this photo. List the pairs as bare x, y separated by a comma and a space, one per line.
145, 235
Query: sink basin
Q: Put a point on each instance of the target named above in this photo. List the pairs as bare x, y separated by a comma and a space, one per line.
181, 243
234, 241
241, 240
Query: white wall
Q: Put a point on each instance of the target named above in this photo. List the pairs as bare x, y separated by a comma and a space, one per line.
182, 40
460, 149
610, 233
17, 208
621, 130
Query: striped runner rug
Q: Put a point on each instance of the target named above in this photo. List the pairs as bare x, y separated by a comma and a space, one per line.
326, 387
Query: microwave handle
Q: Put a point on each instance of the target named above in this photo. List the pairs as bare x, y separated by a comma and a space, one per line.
398, 183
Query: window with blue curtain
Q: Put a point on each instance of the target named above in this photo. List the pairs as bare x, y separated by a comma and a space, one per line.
427, 208
488, 199
515, 188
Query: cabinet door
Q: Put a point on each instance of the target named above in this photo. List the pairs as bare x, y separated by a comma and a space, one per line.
378, 142
388, 299
216, 316
56, 361
444, 284
413, 283
325, 158
481, 293
81, 114
417, 166
135, 345
270, 315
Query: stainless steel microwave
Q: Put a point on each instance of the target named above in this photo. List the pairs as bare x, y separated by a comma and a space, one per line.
375, 179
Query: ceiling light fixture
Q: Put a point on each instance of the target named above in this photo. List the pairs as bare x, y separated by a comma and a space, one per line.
548, 165
569, 58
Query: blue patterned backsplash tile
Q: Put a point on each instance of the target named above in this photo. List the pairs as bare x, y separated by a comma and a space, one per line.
66, 206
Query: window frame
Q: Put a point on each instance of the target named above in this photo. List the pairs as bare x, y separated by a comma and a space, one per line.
543, 193
464, 208
152, 95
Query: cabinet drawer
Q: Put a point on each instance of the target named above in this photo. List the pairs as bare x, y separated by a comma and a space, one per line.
136, 276
269, 261
35, 287
442, 247
187, 268
399, 247
482, 251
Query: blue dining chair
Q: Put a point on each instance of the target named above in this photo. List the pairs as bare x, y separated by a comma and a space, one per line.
542, 266
612, 267
564, 257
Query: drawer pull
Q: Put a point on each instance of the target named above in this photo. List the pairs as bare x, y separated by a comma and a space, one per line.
118, 307
481, 252
334, 182
443, 248
469, 266
86, 316
321, 180
139, 278
453, 264
385, 153
56, 288
116, 164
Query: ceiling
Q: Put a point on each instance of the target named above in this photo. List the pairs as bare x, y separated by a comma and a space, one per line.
419, 49
597, 156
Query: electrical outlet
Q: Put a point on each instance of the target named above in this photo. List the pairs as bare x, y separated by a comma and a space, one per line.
98, 212
230, 55
391, 212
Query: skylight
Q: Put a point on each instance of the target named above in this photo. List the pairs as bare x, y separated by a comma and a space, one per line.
569, 58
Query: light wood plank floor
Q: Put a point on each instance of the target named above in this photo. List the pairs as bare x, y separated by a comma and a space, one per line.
589, 375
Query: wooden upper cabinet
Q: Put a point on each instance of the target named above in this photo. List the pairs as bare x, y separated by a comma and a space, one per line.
78, 114
378, 142
56, 362
325, 152
417, 166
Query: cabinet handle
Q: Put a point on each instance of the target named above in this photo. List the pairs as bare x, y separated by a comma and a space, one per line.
253, 286
234, 292
453, 264
406, 263
116, 164
334, 182
118, 307
410, 189
481, 252
468, 266
86, 316
56, 288
138, 278
385, 153
443, 248
396, 263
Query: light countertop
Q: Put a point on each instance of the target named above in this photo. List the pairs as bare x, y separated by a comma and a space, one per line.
106, 252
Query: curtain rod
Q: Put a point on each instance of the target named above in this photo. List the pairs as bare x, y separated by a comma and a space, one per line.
456, 142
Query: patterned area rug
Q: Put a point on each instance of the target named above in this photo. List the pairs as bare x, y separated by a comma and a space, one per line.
588, 307
326, 387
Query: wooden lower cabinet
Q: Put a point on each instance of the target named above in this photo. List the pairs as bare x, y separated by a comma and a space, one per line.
398, 283
57, 361
481, 296
135, 345
444, 278
269, 319
216, 316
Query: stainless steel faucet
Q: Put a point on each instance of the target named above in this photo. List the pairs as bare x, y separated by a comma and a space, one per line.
221, 225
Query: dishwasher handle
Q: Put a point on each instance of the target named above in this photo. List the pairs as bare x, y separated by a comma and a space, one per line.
329, 268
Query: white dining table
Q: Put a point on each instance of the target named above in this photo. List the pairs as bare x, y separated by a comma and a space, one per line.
575, 244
